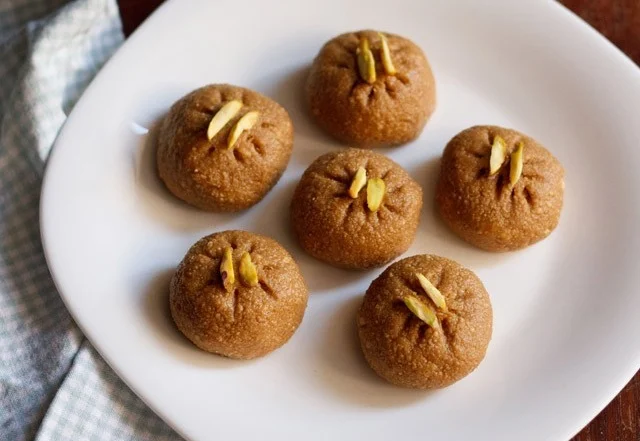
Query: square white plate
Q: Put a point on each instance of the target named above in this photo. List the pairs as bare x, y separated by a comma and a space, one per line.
566, 331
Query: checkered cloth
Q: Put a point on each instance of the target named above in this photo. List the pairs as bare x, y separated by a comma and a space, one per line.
53, 385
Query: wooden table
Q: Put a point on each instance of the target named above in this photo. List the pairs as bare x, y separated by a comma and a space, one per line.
619, 21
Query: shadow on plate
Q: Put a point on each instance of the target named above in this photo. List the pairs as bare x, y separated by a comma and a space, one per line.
155, 310
309, 141
438, 238
345, 372
158, 203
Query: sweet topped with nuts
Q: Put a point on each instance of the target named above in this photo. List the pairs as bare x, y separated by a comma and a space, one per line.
499, 189
367, 62
371, 89
425, 322
222, 147
355, 209
238, 294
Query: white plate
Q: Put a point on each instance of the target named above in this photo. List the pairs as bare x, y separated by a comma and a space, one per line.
566, 310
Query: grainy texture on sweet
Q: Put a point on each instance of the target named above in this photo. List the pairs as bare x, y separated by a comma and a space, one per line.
391, 111
245, 322
206, 173
407, 352
487, 211
340, 230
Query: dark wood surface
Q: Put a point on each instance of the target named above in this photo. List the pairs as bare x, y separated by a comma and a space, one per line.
619, 21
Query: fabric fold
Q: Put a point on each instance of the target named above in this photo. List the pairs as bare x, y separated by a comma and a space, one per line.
52, 382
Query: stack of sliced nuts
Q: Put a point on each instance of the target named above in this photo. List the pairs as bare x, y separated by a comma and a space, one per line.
366, 60
376, 189
226, 114
499, 156
421, 309
247, 269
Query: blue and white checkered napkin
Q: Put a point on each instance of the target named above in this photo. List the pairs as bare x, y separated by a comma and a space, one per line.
53, 385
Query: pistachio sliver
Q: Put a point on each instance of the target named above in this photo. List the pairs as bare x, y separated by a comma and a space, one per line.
366, 62
421, 310
434, 294
385, 55
517, 158
247, 270
247, 121
375, 193
498, 154
222, 117
226, 270
359, 181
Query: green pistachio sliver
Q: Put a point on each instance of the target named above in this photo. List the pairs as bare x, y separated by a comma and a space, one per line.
434, 293
517, 159
247, 270
366, 62
375, 193
226, 269
421, 310
222, 117
385, 55
498, 154
247, 121
359, 181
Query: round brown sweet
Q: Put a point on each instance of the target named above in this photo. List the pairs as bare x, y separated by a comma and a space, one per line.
406, 351
206, 173
391, 111
243, 322
342, 231
487, 211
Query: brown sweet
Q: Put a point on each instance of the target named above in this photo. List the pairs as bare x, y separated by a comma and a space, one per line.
408, 352
245, 319
487, 210
349, 232
207, 173
392, 110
